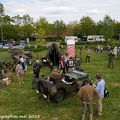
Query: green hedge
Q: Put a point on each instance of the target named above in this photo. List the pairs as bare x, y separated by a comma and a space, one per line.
3, 50
111, 42
54, 40
34, 48
92, 43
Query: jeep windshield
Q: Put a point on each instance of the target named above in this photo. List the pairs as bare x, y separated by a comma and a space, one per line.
76, 75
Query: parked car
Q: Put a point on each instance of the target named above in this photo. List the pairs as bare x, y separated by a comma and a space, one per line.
58, 88
22, 45
22, 41
7, 46
29, 54
1, 45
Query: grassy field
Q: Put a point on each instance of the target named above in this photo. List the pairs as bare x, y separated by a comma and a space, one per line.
23, 102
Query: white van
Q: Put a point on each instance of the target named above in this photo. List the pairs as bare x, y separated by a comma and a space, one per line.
71, 38
94, 38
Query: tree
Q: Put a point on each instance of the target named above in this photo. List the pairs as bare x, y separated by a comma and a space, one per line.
1, 19
7, 20
27, 20
42, 27
17, 20
76, 30
107, 27
68, 30
59, 27
1, 9
117, 30
26, 26
87, 26
9, 30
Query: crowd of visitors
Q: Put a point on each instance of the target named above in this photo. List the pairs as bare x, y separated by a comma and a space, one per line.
67, 64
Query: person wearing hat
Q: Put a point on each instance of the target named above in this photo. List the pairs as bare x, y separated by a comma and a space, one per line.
100, 87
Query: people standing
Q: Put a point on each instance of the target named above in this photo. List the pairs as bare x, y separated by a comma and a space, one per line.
86, 94
71, 64
101, 49
66, 58
36, 71
80, 55
22, 62
51, 66
110, 59
62, 63
115, 52
88, 55
20, 72
100, 87
26, 64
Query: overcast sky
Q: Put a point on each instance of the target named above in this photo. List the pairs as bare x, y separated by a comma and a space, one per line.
66, 10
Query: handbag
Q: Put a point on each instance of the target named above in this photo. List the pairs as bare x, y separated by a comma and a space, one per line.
106, 92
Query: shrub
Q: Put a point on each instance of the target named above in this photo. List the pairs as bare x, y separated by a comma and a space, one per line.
3, 50
35, 49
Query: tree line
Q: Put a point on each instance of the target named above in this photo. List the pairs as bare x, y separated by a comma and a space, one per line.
22, 27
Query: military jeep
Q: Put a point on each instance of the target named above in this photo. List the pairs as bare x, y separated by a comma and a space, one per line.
58, 88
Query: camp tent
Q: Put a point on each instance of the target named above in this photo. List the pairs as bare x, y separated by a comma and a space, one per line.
54, 53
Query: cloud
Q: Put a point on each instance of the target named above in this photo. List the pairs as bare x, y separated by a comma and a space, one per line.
68, 10
93, 11
59, 10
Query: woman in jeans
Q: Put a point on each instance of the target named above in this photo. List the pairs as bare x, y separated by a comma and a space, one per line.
20, 72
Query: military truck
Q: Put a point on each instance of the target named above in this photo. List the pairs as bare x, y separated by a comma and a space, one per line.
58, 88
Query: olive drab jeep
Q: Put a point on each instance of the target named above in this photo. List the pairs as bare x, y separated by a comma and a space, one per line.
58, 88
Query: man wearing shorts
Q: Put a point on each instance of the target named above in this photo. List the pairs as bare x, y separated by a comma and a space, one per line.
86, 94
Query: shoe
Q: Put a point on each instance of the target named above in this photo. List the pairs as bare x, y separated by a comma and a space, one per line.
99, 115
37, 91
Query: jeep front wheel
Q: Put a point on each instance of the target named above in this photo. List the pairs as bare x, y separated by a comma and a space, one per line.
59, 96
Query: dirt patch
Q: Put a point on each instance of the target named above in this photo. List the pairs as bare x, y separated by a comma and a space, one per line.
117, 84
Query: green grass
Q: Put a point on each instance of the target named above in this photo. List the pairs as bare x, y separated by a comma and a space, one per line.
22, 100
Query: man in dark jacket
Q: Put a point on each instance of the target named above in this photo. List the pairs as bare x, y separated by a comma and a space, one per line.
110, 59
36, 71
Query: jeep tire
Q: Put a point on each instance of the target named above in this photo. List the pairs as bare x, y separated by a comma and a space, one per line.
59, 96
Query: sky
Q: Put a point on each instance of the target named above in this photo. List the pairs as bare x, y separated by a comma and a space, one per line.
66, 10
